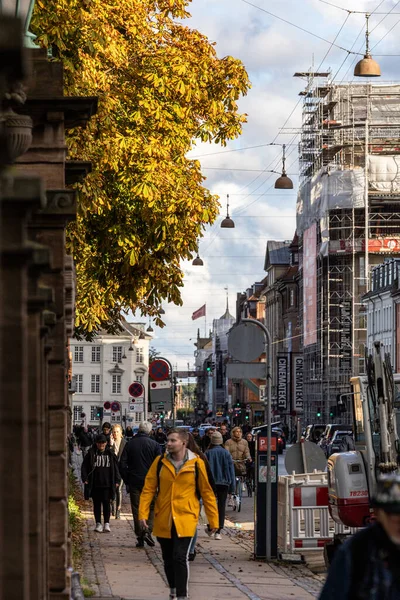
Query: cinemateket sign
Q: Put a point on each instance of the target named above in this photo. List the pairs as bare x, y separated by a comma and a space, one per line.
282, 382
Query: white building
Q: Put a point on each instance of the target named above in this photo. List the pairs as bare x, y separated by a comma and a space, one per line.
104, 369
382, 304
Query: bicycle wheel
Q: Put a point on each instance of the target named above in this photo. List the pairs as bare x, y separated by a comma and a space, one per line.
235, 502
239, 503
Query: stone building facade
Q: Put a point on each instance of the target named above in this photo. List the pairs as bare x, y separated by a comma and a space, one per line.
36, 321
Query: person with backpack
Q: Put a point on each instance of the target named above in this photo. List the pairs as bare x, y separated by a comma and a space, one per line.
367, 566
222, 469
179, 478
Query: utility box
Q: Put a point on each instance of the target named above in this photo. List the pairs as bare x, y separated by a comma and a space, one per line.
260, 475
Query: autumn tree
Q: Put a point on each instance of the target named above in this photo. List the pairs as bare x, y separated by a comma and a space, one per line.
161, 88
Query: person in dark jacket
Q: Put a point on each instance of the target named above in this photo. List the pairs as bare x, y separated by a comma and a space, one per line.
128, 432
137, 458
367, 566
160, 437
118, 446
106, 430
221, 465
85, 440
206, 439
100, 472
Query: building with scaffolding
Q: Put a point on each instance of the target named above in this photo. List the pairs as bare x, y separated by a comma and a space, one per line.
348, 220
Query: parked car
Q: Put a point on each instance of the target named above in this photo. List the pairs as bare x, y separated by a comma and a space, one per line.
342, 441
281, 438
330, 429
314, 432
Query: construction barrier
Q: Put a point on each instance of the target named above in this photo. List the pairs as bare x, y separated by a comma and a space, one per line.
304, 522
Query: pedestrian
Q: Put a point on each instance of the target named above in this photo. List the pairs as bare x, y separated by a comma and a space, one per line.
85, 440
106, 430
128, 432
137, 458
239, 450
249, 437
101, 477
160, 437
180, 478
196, 436
367, 566
221, 466
224, 432
206, 441
118, 448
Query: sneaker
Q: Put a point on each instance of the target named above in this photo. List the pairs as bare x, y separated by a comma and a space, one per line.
106, 528
208, 531
148, 539
217, 536
99, 528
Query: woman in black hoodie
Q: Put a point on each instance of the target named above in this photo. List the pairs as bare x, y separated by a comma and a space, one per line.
101, 475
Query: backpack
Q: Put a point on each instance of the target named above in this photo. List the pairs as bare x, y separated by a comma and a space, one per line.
196, 469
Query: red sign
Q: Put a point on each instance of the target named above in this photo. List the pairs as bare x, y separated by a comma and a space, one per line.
263, 444
115, 406
107, 405
159, 370
136, 389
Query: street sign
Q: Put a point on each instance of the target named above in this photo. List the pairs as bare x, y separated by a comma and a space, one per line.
311, 454
246, 342
107, 405
159, 370
138, 407
136, 389
245, 370
160, 385
115, 406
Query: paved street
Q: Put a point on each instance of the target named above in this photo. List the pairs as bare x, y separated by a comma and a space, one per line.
114, 568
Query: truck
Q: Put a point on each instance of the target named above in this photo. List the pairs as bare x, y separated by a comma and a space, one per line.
353, 475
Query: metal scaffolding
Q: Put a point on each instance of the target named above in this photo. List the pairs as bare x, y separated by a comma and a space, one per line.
348, 220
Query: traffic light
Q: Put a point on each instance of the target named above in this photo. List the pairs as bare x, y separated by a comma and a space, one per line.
99, 412
208, 366
319, 413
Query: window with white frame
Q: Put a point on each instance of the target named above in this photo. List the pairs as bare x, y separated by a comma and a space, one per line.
95, 384
113, 419
116, 384
117, 354
77, 413
78, 354
93, 413
139, 355
139, 377
96, 353
79, 384
138, 417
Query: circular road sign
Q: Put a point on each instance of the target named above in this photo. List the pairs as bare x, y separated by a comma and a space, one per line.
315, 458
159, 370
107, 405
246, 342
115, 406
136, 389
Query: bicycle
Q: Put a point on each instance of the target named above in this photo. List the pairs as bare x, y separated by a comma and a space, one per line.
239, 485
250, 479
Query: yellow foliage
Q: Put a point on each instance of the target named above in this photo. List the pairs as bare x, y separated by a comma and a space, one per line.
161, 87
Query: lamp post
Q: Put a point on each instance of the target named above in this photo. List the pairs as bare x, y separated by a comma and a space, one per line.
268, 418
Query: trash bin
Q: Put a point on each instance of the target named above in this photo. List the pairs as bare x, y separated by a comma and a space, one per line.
260, 475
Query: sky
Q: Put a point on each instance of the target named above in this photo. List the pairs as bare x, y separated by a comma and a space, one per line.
271, 50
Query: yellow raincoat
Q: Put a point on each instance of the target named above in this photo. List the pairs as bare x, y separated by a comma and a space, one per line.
177, 500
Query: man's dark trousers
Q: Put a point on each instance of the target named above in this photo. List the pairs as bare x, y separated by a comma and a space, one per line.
135, 499
175, 553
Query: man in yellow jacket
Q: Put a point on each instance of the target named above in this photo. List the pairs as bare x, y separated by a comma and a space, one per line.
178, 482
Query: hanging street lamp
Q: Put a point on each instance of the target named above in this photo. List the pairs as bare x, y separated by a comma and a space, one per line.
197, 261
283, 182
367, 66
227, 223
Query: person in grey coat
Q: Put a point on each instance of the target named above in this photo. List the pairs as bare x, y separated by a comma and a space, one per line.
222, 469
